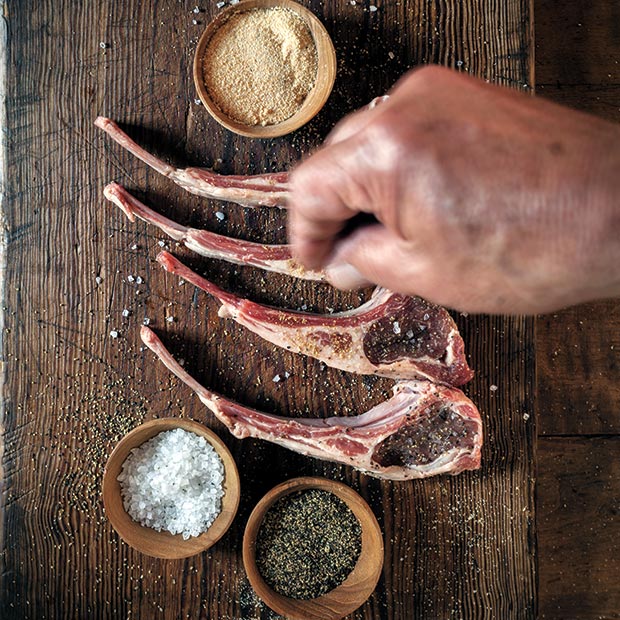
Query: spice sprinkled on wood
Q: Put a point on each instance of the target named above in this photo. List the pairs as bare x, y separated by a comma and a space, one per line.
260, 66
308, 544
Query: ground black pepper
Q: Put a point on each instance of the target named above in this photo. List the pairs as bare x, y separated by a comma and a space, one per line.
307, 544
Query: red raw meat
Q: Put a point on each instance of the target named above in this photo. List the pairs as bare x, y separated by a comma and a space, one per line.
391, 335
423, 430
275, 258
267, 190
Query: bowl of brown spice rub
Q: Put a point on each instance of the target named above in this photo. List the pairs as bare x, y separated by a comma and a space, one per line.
313, 549
264, 68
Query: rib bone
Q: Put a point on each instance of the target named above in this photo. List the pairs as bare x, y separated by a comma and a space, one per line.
275, 258
267, 190
423, 430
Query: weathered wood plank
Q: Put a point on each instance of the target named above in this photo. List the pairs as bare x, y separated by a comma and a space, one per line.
458, 548
578, 350
578, 492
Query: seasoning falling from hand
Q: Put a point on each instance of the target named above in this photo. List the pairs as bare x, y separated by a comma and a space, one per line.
260, 66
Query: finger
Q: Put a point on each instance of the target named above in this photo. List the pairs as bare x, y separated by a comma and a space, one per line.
376, 255
324, 196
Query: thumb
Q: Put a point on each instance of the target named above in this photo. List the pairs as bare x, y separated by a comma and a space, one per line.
375, 255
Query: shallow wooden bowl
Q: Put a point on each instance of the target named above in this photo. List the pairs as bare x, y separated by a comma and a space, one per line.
146, 539
326, 71
354, 590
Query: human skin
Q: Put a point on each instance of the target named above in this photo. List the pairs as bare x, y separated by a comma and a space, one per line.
483, 199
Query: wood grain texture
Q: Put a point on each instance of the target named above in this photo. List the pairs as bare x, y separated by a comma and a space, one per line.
454, 547
578, 349
578, 356
578, 507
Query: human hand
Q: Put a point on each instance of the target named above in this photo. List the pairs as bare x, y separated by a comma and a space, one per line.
485, 200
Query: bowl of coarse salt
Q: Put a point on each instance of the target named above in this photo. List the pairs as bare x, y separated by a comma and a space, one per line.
171, 488
264, 68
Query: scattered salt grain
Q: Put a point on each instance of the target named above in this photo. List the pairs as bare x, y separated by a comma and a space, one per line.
161, 243
409, 334
130, 278
125, 313
113, 334
396, 327
372, 8
173, 482
219, 5
426, 317
287, 374
170, 319
493, 388
196, 9
146, 321
197, 101
139, 280
134, 246
220, 216
276, 379
526, 416
391, 55
103, 45
234, 1
98, 279
194, 22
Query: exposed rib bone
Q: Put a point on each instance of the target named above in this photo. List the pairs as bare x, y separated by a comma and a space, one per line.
275, 258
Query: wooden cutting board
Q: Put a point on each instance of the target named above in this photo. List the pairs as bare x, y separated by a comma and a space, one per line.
459, 547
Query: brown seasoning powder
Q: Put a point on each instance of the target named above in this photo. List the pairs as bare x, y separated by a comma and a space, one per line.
260, 66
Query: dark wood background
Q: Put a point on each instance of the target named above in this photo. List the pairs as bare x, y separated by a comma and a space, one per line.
533, 534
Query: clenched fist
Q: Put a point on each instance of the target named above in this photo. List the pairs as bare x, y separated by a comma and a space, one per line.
483, 199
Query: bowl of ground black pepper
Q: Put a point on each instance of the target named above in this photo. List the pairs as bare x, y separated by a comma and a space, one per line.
264, 68
313, 549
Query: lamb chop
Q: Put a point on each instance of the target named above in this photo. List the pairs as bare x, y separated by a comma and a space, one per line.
391, 335
275, 258
424, 429
267, 190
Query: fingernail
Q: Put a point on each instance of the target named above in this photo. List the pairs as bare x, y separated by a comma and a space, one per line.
345, 276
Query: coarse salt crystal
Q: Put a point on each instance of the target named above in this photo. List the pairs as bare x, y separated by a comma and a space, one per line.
146, 321
98, 279
196, 9
139, 280
409, 334
173, 482
219, 5
125, 313
161, 243
194, 22
526, 416
372, 8
391, 55
134, 246
113, 334
276, 379
396, 327
130, 278
220, 216
493, 388
170, 319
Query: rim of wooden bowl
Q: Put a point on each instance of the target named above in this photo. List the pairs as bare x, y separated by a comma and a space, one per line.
164, 544
354, 590
326, 71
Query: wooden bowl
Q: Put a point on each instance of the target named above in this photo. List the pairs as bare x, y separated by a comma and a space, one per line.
150, 541
326, 71
354, 590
